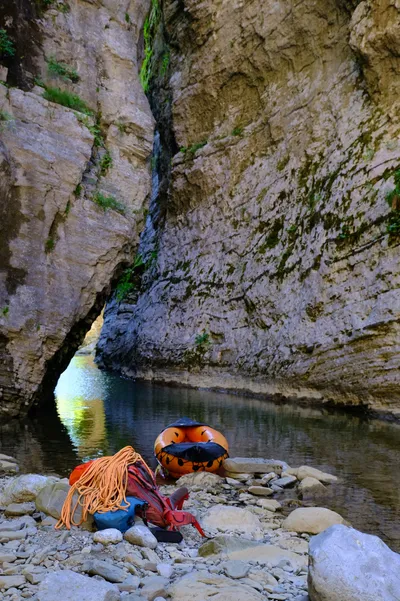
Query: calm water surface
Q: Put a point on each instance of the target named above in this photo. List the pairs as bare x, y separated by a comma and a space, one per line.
97, 413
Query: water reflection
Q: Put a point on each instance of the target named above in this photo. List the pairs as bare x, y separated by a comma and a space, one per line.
102, 412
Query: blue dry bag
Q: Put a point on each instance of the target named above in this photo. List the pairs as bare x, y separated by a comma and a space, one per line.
119, 519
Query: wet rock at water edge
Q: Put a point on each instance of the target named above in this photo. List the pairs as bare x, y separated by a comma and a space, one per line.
347, 565
254, 465
311, 485
312, 520
305, 471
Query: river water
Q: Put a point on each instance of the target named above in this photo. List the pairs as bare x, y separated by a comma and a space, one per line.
97, 413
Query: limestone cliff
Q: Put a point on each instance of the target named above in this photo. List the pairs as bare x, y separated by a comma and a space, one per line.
274, 265
76, 131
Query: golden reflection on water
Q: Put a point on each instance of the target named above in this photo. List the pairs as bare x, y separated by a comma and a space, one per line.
80, 405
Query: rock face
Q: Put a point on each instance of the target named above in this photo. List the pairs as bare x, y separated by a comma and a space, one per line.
276, 256
347, 565
73, 183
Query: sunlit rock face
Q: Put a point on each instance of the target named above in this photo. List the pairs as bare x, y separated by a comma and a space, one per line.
60, 248
276, 267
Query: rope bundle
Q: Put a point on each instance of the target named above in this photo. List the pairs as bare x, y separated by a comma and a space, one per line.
102, 487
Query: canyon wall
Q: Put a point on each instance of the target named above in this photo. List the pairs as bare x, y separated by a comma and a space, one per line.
74, 178
270, 258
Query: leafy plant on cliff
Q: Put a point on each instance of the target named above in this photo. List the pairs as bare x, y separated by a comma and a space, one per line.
127, 282
62, 70
105, 162
108, 202
6, 46
67, 99
149, 29
393, 199
202, 339
94, 129
5, 311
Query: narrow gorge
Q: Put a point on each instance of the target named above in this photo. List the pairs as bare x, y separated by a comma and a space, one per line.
255, 249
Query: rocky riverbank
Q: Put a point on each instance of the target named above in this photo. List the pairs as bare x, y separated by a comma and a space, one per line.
258, 547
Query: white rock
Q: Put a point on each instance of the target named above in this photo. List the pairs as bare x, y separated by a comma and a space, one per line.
153, 587
305, 471
141, 535
165, 569
347, 565
108, 536
285, 481
269, 504
228, 518
311, 519
202, 586
69, 586
238, 476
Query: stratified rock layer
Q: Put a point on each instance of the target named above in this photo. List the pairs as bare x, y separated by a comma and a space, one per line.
59, 249
276, 269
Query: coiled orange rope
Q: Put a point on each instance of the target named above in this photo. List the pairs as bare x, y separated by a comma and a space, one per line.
102, 487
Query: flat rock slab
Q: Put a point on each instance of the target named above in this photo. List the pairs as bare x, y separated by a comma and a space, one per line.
227, 518
236, 569
203, 479
254, 465
154, 586
260, 491
311, 485
286, 481
17, 509
347, 565
8, 467
67, 585
202, 586
269, 504
105, 569
7, 582
311, 519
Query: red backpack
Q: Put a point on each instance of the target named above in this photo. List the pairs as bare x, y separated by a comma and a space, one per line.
161, 511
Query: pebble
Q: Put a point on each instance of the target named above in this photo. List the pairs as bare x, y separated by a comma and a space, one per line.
261, 491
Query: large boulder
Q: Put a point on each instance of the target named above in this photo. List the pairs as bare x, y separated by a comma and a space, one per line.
227, 518
311, 485
24, 488
254, 465
202, 586
347, 565
311, 519
70, 586
51, 499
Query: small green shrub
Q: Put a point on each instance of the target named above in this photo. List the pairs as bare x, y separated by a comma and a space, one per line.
94, 129
67, 99
237, 131
5, 311
62, 70
6, 46
67, 208
195, 147
6, 117
108, 202
393, 199
105, 162
49, 245
127, 18
78, 190
122, 127
202, 339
